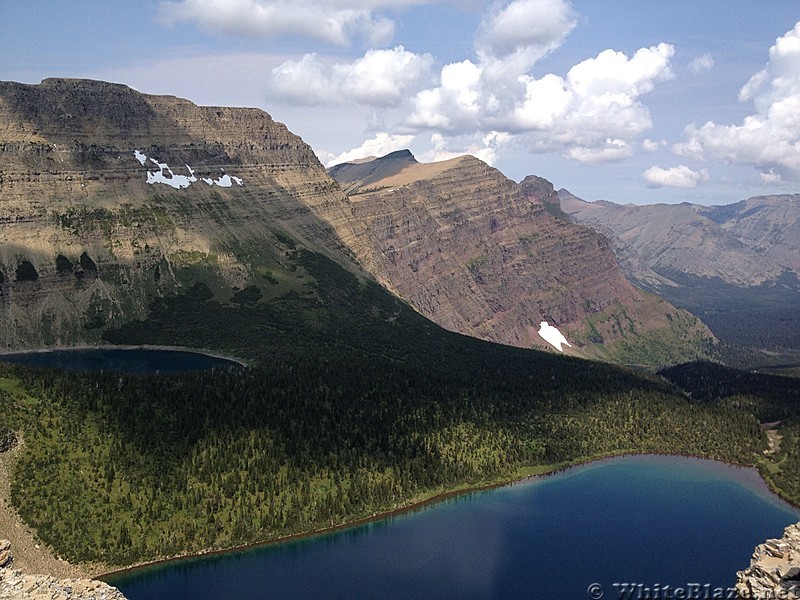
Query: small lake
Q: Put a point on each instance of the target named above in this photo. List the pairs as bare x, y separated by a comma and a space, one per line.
639, 519
125, 360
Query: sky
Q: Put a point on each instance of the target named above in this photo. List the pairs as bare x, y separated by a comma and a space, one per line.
633, 101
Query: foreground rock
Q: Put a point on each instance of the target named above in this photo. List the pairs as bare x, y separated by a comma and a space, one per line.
774, 570
16, 584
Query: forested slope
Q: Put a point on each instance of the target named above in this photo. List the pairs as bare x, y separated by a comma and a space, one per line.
356, 405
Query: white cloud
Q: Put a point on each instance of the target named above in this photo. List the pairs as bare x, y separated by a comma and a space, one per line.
454, 105
379, 78
532, 27
486, 149
593, 114
771, 177
701, 64
649, 145
381, 145
768, 139
304, 81
334, 21
679, 177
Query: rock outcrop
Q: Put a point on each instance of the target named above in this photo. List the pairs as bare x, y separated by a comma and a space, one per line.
482, 255
774, 570
14, 584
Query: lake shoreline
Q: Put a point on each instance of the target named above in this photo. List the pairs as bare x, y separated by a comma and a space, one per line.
49, 350
437, 497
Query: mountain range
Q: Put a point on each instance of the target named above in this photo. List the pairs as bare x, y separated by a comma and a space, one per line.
736, 266
112, 198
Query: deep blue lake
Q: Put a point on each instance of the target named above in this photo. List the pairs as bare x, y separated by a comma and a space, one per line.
640, 519
126, 360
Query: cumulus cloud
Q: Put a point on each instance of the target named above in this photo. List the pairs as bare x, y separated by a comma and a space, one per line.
593, 114
382, 144
454, 104
532, 27
701, 64
649, 145
769, 138
379, 78
486, 149
771, 177
334, 21
678, 177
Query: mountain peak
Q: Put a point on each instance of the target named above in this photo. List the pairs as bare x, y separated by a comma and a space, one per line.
360, 174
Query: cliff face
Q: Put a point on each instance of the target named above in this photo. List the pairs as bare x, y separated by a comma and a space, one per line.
109, 196
482, 255
774, 570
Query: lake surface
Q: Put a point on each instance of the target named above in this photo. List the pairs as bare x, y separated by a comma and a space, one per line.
640, 519
126, 360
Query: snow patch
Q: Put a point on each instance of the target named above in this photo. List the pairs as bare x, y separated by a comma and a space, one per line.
224, 180
167, 176
552, 336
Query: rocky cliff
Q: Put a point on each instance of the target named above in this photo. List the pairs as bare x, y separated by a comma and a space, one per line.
774, 570
14, 584
482, 255
109, 197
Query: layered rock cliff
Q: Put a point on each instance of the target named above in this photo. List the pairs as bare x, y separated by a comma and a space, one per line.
774, 570
109, 197
482, 255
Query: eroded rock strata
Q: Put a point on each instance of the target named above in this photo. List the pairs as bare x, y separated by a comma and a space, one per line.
482, 255
110, 197
85, 239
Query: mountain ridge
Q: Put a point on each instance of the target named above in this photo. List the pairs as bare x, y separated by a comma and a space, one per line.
736, 266
482, 255
113, 198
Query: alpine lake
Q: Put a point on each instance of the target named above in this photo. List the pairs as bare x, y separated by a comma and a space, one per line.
616, 528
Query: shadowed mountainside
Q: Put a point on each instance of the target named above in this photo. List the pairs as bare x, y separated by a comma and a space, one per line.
110, 197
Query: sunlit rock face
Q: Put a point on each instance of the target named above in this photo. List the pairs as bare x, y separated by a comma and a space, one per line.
483, 255
774, 570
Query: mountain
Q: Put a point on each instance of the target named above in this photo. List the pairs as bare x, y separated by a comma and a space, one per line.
736, 266
112, 197
480, 254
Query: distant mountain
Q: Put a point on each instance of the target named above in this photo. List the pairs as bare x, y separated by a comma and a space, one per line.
735, 266
482, 255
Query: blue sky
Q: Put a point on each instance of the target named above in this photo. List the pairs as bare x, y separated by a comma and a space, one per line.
625, 100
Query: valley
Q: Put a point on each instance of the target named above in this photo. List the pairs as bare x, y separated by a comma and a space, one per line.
399, 323
734, 266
